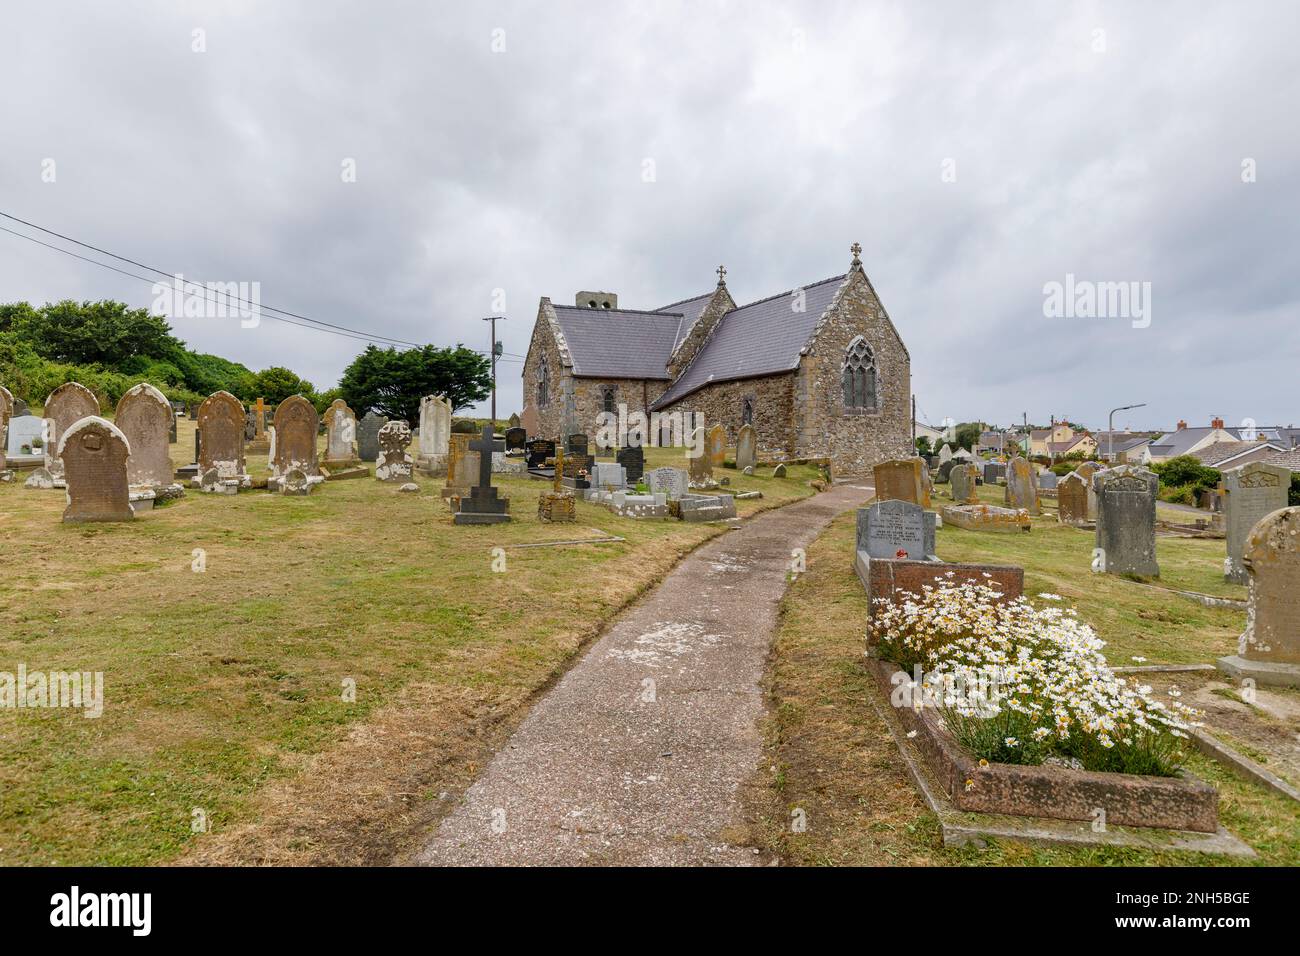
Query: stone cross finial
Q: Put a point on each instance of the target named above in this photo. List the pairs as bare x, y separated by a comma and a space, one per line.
856, 249
722, 275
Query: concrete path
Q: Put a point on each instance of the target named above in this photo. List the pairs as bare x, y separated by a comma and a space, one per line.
637, 755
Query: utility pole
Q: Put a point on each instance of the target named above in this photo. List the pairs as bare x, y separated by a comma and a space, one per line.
495, 352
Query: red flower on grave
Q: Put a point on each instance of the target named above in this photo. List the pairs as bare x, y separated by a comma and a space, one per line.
900, 553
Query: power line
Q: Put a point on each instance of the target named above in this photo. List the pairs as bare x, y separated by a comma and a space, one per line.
171, 275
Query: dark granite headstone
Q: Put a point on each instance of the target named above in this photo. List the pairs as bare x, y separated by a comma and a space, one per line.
576, 445
368, 435
632, 459
1126, 520
540, 450
516, 439
889, 527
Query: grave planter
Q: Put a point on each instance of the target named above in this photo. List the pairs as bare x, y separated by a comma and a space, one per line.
1183, 802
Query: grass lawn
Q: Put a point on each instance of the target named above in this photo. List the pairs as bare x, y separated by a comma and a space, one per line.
827, 754
224, 689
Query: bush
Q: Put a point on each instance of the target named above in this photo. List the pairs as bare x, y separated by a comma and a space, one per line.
1180, 495
1187, 471
1019, 684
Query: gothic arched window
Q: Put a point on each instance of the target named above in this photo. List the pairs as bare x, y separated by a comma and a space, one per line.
609, 399
543, 383
858, 377
747, 411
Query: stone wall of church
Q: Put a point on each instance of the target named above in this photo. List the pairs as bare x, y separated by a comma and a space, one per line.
589, 399
853, 441
545, 420
771, 397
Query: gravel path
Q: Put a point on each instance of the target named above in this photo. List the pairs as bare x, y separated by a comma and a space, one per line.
637, 755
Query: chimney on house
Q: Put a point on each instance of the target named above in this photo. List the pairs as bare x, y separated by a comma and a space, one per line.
596, 300
1216, 423
1181, 425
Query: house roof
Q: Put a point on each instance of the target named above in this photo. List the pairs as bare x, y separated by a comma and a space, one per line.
1058, 447
760, 338
1221, 453
1175, 443
1286, 459
619, 343
689, 310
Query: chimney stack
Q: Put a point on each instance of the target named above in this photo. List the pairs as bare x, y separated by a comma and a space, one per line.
1216, 423
596, 300
1181, 425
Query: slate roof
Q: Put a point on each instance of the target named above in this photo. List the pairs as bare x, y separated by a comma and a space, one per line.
1172, 444
619, 343
760, 338
1287, 459
689, 310
1220, 452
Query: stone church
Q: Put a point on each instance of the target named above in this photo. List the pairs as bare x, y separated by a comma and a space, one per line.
819, 370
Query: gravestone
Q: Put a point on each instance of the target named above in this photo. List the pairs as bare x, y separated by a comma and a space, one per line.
171, 430
94, 454
899, 480
340, 434
219, 439
1021, 491
557, 505
700, 466
23, 430
717, 446
1252, 492
259, 419
483, 505
945, 454
671, 482
462, 466
1087, 471
514, 420
435, 432
986, 518
576, 446
516, 439
994, 470
1048, 481
746, 447
540, 451
1269, 649
296, 426
368, 435
896, 529
962, 483
6, 412
1072, 500
945, 469
394, 464
927, 483
608, 475
66, 405
1126, 520
20, 408
632, 459
144, 417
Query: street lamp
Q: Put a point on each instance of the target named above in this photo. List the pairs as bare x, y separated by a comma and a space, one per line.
1110, 429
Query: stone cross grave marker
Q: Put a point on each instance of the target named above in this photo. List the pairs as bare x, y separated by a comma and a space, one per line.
259, 420
144, 418
1126, 520
1253, 491
94, 454
484, 505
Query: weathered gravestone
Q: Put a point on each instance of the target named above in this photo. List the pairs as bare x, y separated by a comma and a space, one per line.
945, 454
945, 469
296, 425
698, 461
1072, 500
514, 420
608, 475
899, 480
1269, 649
516, 439
20, 408
632, 458
394, 463
66, 405
1126, 521
716, 448
962, 483
462, 467
94, 454
671, 482
144, 417
994, 470
1048, 481
483, 505
1253, 491
927, 482
746, 447
340, 434
219, 439
576, 446
6, 412
435, 433
1021, 492
1087, 471
896, 529
368, 435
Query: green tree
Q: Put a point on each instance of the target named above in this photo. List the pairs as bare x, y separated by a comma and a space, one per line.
94, 333
392, 382
968, 435
923, 445
275, 384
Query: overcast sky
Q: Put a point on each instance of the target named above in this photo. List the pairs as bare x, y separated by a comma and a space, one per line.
978, 151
